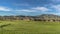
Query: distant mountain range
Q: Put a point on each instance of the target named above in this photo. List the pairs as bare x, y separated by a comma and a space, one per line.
49, 16
43, 17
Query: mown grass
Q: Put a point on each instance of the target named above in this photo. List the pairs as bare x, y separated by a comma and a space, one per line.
29, 27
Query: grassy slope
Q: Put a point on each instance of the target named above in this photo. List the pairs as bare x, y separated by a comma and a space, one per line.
24, 27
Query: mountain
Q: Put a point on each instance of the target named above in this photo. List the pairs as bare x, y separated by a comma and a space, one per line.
43, 17
49, 16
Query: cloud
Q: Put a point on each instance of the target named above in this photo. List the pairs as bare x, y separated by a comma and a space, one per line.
41, 8
56, 0
4, 9
56, 7
16, 10
35, 9
26, 10
22, 4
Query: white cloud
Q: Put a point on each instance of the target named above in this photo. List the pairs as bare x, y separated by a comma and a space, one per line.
56, 7
26, 10
34, 9
16, 10
4, 9
41, 8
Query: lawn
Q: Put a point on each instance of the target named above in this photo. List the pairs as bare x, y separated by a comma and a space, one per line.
29, 27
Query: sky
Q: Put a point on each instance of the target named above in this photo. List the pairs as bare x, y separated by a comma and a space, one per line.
29, 7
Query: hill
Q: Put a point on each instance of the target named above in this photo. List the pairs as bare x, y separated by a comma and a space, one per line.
43, 17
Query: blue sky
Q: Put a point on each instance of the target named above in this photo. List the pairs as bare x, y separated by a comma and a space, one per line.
29, 7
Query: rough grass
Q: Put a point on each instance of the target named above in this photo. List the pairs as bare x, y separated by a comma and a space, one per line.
29, 27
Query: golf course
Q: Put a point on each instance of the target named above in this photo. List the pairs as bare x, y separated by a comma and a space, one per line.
29, 27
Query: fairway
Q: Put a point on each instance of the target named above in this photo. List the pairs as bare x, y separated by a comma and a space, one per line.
29, 27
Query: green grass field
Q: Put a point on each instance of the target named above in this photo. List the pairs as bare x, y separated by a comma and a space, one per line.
31, 27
